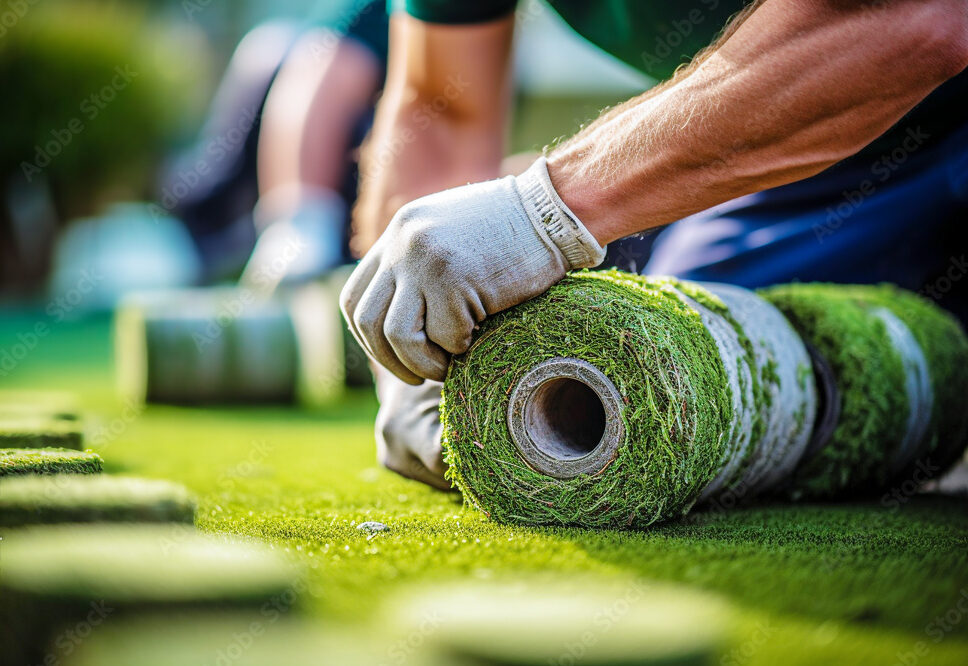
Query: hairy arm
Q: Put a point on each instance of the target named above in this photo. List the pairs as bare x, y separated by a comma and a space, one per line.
441, 121
792, 87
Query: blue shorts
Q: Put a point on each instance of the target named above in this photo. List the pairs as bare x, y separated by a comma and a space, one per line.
899, 217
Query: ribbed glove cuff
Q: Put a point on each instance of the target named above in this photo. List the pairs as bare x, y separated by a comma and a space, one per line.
548, 212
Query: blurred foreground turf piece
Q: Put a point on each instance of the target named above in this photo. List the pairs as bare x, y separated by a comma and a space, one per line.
57, 577
45, 404
37, 431
48, 461
238, 638
32, 500
585, 620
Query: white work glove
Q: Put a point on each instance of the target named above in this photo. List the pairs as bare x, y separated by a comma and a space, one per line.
408, 429
449, 259
299, 244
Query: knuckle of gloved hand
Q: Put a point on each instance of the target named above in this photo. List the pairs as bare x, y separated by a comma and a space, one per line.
366, 320
398, 335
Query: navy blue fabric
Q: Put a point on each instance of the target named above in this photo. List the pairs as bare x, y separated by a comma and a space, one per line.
900, 217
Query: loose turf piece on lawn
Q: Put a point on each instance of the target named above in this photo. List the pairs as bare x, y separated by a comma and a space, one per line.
33, 500
655, 381
545, 620
34, 431
899, 365
15, 462
58, 575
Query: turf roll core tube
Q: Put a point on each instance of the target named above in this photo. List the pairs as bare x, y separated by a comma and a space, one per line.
565, 417
618, 400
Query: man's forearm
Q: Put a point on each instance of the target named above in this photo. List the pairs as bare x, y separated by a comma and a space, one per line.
441, 121
797, 87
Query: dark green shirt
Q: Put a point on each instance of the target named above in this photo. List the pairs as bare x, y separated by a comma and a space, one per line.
657, 36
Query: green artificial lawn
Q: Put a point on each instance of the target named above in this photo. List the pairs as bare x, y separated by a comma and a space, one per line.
878, 582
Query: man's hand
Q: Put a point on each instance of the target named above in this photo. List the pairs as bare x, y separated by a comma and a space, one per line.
449, 259
408, 431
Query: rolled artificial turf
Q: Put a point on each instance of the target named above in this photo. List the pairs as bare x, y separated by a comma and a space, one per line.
54, 576
566, 620
898, 363
36, 431
34, 500
233, 345
14, 462
687, 402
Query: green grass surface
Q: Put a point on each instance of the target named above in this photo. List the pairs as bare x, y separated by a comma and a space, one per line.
880, 582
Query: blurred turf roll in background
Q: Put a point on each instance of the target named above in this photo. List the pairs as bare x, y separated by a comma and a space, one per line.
31, 500
237, 345
14, 462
